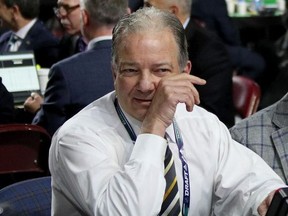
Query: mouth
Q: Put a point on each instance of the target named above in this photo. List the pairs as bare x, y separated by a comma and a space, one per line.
143, 101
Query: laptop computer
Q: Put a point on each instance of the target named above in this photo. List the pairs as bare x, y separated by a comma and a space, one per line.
19, 74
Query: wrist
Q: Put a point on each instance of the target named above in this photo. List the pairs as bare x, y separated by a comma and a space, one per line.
153, 127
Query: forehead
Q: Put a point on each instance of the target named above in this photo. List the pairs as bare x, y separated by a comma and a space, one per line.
153, 42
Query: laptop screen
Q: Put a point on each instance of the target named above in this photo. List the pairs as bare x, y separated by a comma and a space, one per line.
19, 74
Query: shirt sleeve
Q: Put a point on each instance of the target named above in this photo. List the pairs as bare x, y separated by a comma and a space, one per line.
91, 175
243, 178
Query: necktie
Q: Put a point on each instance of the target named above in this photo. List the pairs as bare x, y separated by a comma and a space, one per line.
81, 45
171, 203
14, 43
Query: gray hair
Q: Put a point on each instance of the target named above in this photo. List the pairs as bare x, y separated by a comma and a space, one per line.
149, 19
105, 12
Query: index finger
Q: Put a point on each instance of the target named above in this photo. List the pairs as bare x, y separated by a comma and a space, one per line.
197, 80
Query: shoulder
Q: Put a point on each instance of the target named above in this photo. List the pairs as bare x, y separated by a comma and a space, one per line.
201, 126
76, 61
255, 125
65, 69
39, 32
101, 49
4, 37
198, 33
198, 117
97, 117
39, 26
204, 43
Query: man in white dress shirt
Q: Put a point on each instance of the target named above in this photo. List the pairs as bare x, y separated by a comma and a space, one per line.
109, 158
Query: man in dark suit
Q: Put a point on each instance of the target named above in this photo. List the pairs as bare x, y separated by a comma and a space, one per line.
6, 105
209, 59
266, 133
26, 32
215, 16
77, 81
72, 42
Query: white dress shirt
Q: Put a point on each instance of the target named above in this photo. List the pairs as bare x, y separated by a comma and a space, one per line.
21, 34
97, 170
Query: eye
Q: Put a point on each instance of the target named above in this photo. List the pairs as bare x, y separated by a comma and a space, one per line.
128, 71
162, 71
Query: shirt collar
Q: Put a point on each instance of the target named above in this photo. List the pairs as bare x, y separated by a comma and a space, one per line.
21, 33
186, 22
97, 39
135, 124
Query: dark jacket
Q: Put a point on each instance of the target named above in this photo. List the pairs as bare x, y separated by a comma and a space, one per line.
39, 40
6, 105
210, 61
74, 83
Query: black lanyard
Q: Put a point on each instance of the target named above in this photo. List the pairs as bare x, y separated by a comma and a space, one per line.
179, 141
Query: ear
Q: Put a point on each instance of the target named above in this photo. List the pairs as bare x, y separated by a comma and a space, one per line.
174, 9
15, 8
85, 17
128, 10
188, 67
15, 11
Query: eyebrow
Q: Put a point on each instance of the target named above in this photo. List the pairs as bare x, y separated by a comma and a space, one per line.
135, 64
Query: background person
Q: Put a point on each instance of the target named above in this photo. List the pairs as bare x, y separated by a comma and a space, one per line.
68, 12
84, 77
6, 105
215, 17
27, 33
266, 133
72, 42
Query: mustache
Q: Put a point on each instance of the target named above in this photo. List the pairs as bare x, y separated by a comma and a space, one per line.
64, 22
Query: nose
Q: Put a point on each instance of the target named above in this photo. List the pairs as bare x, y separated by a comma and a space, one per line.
145, 82
62, 14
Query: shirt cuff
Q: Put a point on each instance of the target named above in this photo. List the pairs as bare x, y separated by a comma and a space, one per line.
150, 148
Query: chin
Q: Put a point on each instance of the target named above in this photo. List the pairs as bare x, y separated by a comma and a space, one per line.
140, 116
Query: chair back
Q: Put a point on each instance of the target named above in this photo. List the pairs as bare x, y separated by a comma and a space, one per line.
23, 148
246, 95
30, 197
